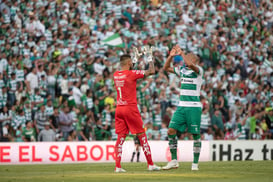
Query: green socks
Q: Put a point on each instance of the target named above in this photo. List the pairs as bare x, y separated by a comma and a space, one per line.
196, 148
173, 146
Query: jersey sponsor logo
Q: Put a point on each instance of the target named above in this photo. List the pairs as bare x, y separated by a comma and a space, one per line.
119, 83
190, 104
120, 102
120, 77
183, 80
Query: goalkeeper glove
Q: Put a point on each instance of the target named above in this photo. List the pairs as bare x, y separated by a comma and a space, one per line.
148, 51
136, 55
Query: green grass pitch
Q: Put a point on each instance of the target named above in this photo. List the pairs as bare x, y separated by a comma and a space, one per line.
241, 171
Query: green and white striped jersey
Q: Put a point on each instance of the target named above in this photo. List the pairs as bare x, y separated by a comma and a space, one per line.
19, 120
43, 45
6, 19
240, 130
190, 86
72, 80
145, 117
109, 7
3, 99
88, 102
12, 84
155, 134
163, 133
27, 112
5, 116
20, 75
70, 69
49, 110
157, 119
205, 121
118, 11
74, 117
48, 35
2, 84
36, 98
43, 87
106, 117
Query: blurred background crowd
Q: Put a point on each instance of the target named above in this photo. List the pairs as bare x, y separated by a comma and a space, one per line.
56, 68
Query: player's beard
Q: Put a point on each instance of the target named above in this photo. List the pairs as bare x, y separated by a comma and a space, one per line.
132, 66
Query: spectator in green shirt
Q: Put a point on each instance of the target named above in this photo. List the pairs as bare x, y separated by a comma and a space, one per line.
100, 132
29, 132
218, 124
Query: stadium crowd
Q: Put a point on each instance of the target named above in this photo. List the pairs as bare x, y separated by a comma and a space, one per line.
56, 69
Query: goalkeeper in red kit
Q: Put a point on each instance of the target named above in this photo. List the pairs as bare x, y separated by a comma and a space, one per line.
127, 116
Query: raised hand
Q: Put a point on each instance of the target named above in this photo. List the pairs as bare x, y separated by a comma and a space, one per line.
136, 55
148, 51
173, 52
179, 51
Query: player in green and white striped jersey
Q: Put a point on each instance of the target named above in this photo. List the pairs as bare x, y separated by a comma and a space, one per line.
188, 113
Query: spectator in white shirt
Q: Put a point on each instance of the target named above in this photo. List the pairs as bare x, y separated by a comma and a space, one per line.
32, 80
35, 26
64, 85
77, 94
98, 67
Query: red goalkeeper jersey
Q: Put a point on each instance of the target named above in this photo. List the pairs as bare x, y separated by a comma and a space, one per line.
125, 83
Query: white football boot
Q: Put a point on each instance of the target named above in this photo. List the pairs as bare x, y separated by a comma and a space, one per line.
154, 168
119, 170
194, 167
173, 164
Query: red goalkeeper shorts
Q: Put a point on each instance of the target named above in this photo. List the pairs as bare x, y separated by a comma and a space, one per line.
128, 118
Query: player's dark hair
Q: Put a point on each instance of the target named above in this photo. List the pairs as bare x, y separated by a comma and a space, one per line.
124, 58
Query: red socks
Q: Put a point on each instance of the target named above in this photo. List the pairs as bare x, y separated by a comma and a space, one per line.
146, 148
143, 143
118, 149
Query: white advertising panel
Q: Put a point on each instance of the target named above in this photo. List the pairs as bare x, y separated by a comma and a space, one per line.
88, 152
241, 150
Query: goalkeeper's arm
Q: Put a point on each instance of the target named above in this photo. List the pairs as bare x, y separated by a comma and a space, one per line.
151, 69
